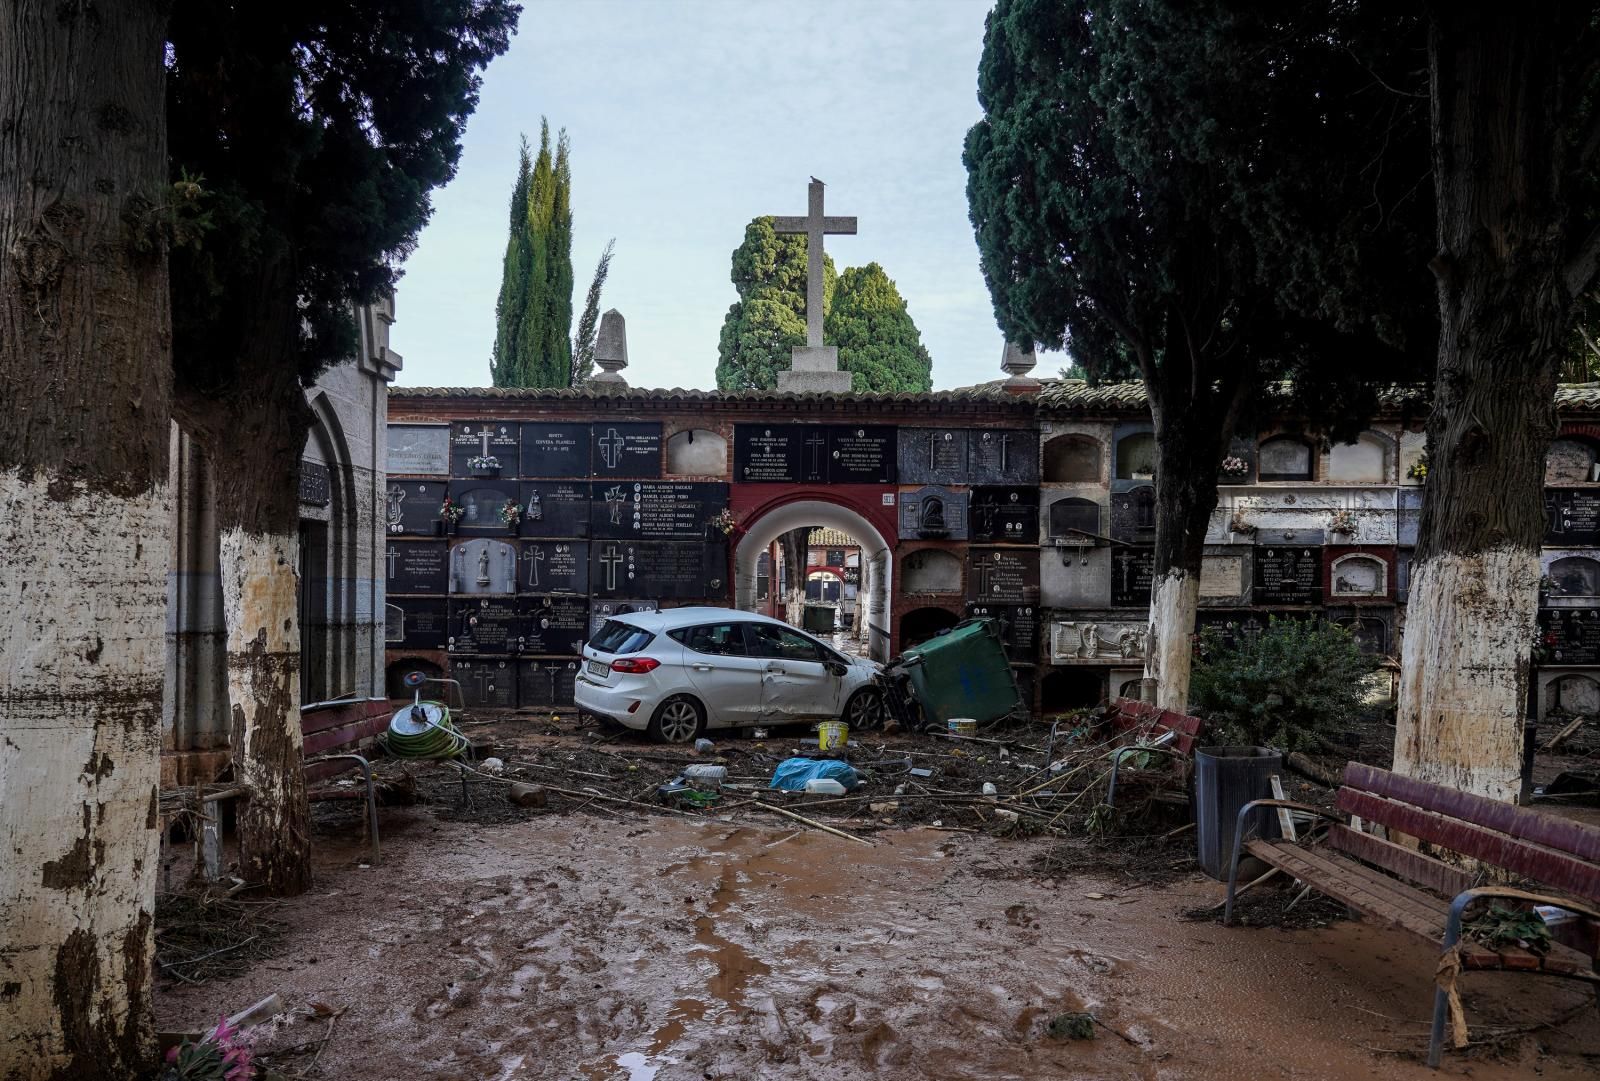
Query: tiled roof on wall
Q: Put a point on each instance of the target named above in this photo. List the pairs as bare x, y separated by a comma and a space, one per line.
679, 394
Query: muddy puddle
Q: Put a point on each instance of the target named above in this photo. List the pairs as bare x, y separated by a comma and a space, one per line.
664, 950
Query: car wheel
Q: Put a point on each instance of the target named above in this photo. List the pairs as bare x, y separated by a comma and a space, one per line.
864, 711
677, 720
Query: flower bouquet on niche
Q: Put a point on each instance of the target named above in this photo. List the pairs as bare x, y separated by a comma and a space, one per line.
511, 514
724, 522
449, 514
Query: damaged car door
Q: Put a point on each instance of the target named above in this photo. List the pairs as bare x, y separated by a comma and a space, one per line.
796, 680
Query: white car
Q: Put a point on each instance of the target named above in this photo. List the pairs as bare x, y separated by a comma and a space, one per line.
679, 672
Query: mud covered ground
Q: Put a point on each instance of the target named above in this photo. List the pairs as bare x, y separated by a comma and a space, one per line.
611, 944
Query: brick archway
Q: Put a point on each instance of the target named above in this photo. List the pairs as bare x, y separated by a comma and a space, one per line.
864, 516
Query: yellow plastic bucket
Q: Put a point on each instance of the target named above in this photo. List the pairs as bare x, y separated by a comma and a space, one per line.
832, 735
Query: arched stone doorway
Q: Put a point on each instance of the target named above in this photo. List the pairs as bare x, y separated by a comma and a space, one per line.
764, 524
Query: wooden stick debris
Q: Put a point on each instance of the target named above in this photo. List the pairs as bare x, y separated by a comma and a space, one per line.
1565, 734
813, 823
1253, 882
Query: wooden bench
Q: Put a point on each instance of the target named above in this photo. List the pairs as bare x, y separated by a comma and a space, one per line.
1408, 889
333, 734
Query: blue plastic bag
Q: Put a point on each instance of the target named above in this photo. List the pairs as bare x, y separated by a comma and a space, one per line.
793, 773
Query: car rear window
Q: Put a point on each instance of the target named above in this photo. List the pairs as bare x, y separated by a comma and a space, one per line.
616, 636
716, 639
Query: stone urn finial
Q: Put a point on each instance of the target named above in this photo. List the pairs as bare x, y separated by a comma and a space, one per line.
611, 349
1017, 361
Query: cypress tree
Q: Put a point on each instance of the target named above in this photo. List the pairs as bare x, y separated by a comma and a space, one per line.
878, 342
514, 276
533, 346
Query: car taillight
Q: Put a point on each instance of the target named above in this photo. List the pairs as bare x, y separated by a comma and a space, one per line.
636, 666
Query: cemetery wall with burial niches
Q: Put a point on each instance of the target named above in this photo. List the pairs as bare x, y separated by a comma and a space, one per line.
1036, 509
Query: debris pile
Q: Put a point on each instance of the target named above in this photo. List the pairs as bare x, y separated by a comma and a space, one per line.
1034, 777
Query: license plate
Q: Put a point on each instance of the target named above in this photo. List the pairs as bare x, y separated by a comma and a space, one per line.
599, 668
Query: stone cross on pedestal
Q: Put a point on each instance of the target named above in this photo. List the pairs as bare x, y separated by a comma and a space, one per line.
814, 366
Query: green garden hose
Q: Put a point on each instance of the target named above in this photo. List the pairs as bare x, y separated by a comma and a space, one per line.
423, 730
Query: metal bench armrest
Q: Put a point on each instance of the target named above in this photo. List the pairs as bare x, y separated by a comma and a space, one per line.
372, 796
1238, 840
1458, 907
1452, 935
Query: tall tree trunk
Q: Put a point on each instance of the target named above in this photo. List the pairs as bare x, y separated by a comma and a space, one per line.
796, 546
1189, 446
255, 435
85, 340
1504, 312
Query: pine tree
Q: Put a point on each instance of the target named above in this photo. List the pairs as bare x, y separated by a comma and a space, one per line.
878, 342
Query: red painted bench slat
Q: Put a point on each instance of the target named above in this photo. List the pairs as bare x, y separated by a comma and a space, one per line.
1546, 865
1562, 834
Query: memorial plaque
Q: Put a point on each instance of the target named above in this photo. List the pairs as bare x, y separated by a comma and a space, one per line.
411, 507
933, 455
1133, 515
1572, 516
316, 484
424, 622
481, 502
484, 448
1019, 628
483, 566
1569, 636
1234, 627
554, 509
485, 625
600, 611
861, 455
418, 450
767, 453
554, 567
555, 450
687, 570
1132, 575
625, 450
546, 683
486, 682
1003, 575
1005, 515
1288, 574
558, 625
416, 567
1001, 456
650, 509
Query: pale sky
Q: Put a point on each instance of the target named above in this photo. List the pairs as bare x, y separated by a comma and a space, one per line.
688, 118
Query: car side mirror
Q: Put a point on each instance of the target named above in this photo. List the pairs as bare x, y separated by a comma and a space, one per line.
838, 668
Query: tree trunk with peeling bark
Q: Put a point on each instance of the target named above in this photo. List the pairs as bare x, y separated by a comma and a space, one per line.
1505, 286
85, 356
255, 434
796, 547
1191, 437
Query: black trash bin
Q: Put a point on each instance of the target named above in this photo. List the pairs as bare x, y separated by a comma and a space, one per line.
1225, 779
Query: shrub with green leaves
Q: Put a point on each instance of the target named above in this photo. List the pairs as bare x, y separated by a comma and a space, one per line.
1284, 687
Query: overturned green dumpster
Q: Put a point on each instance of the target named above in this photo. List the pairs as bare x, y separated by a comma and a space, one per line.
963, 673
